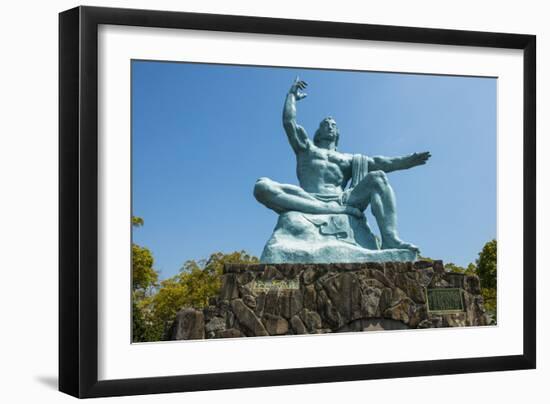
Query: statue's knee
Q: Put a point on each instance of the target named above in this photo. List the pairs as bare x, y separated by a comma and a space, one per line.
378, 177
263, 187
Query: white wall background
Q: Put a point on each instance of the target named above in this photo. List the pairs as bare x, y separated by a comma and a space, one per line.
28, 198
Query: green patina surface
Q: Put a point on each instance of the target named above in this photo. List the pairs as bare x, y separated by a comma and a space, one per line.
322, 220
445, 300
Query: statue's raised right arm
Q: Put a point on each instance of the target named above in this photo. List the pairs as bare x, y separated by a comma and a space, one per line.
296, 134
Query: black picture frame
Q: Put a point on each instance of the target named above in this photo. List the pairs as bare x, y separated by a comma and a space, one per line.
78, 201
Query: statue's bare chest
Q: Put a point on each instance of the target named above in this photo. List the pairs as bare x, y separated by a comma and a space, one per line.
327, 158
331, 165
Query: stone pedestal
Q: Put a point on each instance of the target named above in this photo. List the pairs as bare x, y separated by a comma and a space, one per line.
286, 299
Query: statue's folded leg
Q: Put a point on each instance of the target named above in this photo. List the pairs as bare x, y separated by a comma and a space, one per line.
287, 197
376, 191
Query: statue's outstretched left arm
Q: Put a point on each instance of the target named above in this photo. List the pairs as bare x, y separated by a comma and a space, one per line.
389, 164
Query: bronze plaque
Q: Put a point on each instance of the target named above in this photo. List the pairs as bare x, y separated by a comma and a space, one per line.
445, 300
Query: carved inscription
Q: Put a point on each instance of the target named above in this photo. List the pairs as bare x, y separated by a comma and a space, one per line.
264, 286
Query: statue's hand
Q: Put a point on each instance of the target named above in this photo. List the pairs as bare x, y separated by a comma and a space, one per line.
417, 159
297, 88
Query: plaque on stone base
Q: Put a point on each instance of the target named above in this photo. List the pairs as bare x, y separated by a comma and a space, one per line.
291, 299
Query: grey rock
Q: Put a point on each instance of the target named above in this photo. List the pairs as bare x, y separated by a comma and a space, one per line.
320, 298
189, 324
454, 320
247, 318
216, 324
410, 283
309, 297
385, 299
439, 281
423, 264
271, 272
455, 280
311, 319
344, 296
373, 324
229, 289
424, 276
229, 333
378, 275
370, 302
298, 325
210, 312
403, 311
438, 267
472, 284
397, 296
425, 324
328, 311
275, 325
250, 301
260, 304
245, 277
271, 305
310, 275
290, 302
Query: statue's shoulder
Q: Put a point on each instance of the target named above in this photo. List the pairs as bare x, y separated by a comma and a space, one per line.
308, 149
346, 157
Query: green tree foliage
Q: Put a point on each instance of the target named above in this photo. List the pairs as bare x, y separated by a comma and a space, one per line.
469, 270
144, 284
487, 265
487, 272
196, 283
139, 325
451, 267
145, 327
144, 276
486, 269
490, 301
193, 286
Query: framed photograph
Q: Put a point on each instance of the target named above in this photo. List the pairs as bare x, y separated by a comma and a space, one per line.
229, 194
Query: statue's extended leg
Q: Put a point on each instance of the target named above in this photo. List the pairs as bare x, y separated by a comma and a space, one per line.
375, 190
286, 197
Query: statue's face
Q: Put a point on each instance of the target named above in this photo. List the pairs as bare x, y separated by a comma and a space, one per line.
328, 129
327, 132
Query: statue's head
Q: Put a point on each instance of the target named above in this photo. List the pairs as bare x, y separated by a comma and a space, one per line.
327, 131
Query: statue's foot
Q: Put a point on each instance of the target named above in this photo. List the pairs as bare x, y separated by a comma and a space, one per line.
398, 244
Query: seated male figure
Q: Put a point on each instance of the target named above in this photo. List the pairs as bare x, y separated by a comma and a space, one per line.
324, 172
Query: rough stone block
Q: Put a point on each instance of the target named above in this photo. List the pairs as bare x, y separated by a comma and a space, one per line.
189, 324
284, 299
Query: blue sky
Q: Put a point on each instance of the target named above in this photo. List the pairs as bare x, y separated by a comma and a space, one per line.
202, 134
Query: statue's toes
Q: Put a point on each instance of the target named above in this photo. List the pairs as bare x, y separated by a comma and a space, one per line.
400, 245
409, 246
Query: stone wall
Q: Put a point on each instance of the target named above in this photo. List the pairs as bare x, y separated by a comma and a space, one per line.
286, 299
